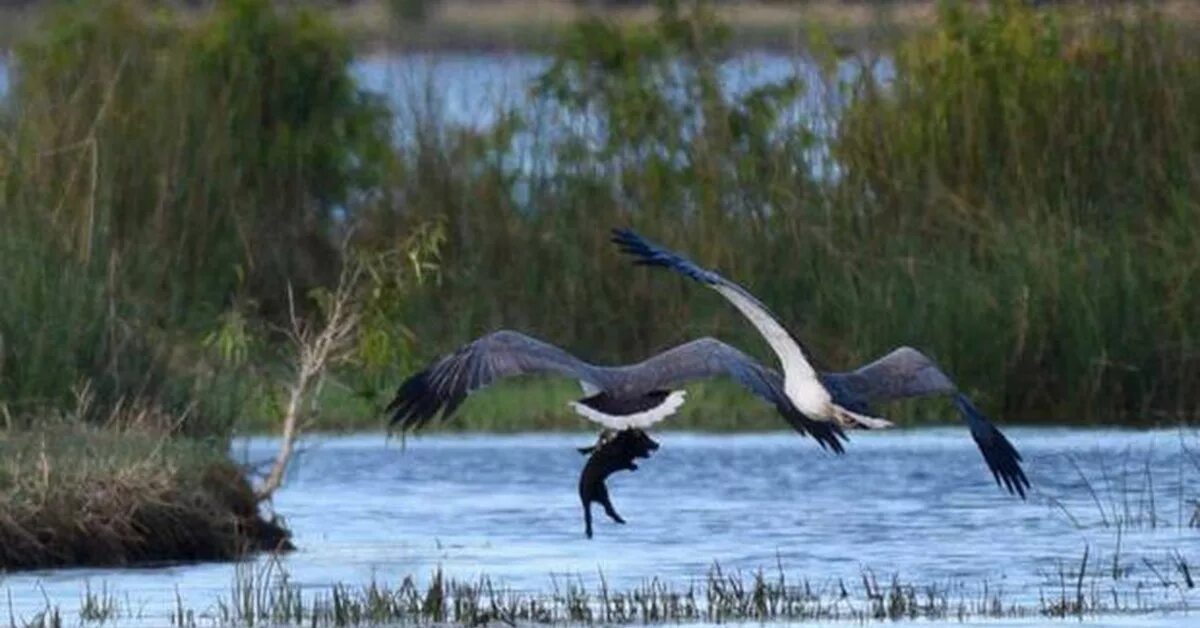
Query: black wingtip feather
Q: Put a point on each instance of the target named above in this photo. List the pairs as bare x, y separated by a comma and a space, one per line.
651, 254
1003, 460
415, 404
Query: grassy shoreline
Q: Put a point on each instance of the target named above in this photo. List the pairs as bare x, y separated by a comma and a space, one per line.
264, 594
76, 495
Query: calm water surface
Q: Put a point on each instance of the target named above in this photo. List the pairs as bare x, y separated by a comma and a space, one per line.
469, 89
918, 504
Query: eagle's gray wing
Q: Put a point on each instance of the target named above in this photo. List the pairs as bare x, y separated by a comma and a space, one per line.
707, 358
799, 371
792, 356
906, 373
440, 388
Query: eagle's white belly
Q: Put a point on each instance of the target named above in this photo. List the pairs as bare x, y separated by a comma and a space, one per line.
641, 420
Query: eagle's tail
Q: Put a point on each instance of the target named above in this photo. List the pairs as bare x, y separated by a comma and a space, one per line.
854, 420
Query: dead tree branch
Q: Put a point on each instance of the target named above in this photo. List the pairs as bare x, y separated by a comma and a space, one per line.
317, 349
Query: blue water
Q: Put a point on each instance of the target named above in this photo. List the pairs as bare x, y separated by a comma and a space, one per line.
918, 504
470, 89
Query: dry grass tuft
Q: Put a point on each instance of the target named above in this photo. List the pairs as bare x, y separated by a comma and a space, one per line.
72, 494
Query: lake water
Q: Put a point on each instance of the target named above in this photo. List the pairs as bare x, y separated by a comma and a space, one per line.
915, 503
469, 89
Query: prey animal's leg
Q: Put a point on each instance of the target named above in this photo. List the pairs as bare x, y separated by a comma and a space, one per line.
602, 497
587, 518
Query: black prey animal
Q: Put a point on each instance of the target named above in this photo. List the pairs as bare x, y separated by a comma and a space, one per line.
611, 454
845, 398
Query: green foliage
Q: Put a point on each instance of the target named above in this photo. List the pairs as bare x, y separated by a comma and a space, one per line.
384, 351
159, 172
1052, 164
77, 495
191, 152
627, 122
1010, 110
1015, 200
57, 330
648, 111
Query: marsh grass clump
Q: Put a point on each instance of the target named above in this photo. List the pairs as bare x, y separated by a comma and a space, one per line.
73, 494
264, 593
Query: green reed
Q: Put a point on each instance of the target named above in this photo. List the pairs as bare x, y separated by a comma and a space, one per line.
161, 176
265, 594
1017, 200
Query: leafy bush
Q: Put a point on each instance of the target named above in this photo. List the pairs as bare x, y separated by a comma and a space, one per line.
1051, 164
161, 172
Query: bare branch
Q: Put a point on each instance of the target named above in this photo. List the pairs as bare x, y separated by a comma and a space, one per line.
316, 351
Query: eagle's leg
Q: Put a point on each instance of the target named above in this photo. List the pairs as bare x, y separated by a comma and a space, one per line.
604, 437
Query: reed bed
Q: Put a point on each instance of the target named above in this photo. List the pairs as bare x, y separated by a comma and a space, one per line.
73, 495
1012, 190
1006, 197
264, 594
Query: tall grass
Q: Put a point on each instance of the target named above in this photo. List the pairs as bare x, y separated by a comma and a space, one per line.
1053, 165
204, 159
165, 186
1016, 196
266, 594
72, 494
159, 177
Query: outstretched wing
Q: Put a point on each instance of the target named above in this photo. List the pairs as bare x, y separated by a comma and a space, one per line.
793, 358
442, 387
906, 373
707, 358
805, 388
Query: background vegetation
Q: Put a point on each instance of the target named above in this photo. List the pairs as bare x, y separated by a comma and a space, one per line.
165, 188
1012, 190
1015, 196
